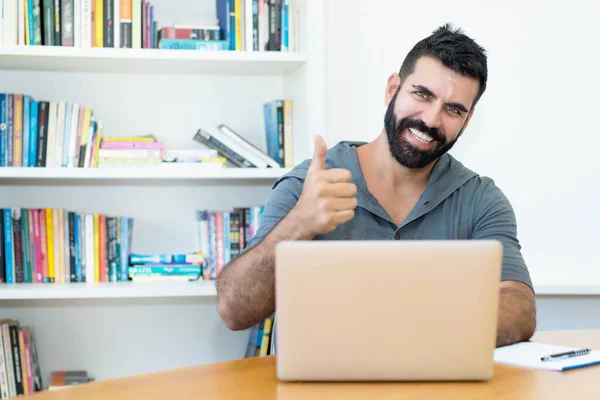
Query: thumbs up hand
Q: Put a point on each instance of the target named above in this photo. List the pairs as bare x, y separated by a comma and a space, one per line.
328, 198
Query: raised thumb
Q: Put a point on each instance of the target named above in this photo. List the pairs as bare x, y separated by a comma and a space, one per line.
318, 160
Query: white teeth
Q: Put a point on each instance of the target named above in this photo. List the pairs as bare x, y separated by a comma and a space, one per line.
420, 135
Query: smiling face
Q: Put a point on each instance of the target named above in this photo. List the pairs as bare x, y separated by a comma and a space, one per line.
427, 112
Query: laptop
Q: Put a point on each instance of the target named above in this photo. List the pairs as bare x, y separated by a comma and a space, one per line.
386, 310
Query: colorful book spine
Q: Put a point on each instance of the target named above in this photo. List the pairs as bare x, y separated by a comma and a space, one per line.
180, 44
3, 130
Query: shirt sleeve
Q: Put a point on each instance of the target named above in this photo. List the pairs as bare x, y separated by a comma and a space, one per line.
285, 195
495, 220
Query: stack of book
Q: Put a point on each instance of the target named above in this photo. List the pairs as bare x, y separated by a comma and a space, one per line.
223, 234
242, 25
165, 267
192, 35
239, 152
64, 379
54, 245
133, 151
47, 133
207, 157
259, 25
259, 342
19, 364
79, 23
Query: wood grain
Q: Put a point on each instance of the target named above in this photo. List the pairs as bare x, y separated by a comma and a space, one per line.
255, 378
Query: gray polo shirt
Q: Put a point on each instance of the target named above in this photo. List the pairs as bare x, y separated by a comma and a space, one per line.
457, 204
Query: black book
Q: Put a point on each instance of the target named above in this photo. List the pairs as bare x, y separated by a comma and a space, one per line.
42, 137
109, 21
210, 141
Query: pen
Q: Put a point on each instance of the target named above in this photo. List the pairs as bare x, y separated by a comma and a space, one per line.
568, 354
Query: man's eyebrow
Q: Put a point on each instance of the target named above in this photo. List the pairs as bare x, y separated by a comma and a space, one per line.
425, 91
429, 93
459, 106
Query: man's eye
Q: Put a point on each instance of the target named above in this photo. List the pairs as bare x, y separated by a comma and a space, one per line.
421, 94
454, 110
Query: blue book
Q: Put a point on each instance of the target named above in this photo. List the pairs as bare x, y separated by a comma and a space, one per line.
285, 7
9, 129
30, 23
141, 259
33, 132
165, 270
3, 130
232, 31
224, 9
193, 44
76, 251
9, 248
26, 137
273, 137
226, 237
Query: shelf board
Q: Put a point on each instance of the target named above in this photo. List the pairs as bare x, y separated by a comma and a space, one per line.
567, 289
164, 172
36, 291
72, 59
108, 290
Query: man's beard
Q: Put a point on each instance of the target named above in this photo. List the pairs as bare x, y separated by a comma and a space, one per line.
404, 152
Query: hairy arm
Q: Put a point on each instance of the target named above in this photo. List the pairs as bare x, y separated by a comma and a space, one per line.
495, 220
246, 288
517, 313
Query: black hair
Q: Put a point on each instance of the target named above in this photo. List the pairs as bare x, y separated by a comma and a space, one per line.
453, 49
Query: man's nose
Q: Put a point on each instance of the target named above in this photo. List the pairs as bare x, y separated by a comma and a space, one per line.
432, 116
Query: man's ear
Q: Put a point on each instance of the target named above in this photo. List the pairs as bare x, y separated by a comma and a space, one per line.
391, 88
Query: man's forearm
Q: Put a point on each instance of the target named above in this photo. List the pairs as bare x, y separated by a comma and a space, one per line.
517, 313
246, 287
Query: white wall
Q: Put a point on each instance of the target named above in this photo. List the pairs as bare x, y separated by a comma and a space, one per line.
534, 129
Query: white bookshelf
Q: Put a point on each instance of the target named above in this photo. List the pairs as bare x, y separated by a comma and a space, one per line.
112, 290
144, 61
166, 172
125, 328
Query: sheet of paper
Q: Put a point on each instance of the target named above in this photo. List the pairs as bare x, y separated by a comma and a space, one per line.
529, 355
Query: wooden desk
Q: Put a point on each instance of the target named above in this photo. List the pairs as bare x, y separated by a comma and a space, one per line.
255, 379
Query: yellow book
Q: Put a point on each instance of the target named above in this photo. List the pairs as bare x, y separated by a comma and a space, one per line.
96, 248
288, 155
50, 244
238, 25
60, 278
99, 22
56, 233
266, 339
24, 378
18, 130
27, 38
85, 134
97, 141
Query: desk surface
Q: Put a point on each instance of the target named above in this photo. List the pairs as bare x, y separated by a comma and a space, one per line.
255, 378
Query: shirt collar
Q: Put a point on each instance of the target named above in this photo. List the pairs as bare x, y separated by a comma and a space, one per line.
447, 175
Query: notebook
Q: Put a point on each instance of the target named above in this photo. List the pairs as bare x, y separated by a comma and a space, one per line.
529, 355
